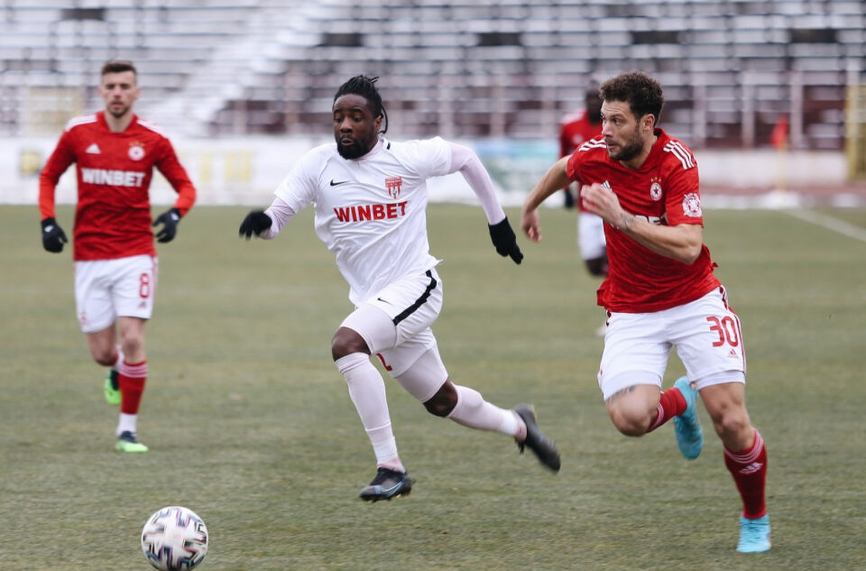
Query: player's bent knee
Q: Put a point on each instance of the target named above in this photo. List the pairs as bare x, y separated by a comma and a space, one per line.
628, 423
347, 341
443, 402
106, 359
631, 428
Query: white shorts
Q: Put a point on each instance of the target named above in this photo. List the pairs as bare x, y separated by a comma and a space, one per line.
705, 332
411, 305
106, 289
590, 236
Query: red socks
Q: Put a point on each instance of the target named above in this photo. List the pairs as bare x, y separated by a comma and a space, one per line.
132, 377
749, 469
671, 404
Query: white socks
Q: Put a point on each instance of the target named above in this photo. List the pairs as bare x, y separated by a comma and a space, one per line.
127, 422
473, 411
367, 391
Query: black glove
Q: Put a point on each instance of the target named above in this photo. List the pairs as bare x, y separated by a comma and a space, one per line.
505, 241
256, 222
53, 236
169, 220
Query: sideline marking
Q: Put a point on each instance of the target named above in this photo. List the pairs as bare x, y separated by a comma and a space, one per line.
830, 223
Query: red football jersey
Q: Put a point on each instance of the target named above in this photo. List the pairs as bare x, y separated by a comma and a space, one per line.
576, 129
664, 190
112, 216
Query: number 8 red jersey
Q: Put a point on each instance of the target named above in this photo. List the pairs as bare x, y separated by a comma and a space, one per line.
114, 171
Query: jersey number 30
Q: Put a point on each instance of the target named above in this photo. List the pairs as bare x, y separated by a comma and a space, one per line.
727, 330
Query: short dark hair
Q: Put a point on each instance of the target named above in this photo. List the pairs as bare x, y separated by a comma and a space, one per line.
643, 93
365, 86
118, 66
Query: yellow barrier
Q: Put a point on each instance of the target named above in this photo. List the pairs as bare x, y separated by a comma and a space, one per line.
855, 131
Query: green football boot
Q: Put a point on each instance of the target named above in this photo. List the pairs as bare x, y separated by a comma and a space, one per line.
112, 388
127, 442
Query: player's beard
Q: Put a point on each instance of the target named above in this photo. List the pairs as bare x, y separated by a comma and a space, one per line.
117, 114
358, 148
630, 148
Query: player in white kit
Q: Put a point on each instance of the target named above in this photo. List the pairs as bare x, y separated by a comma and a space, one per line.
370, 198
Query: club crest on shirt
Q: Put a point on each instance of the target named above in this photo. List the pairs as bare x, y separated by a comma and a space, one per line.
136, 151
692, 205
394, 185
655, 189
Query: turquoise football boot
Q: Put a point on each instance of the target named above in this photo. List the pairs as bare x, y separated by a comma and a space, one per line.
754, 535
687, 426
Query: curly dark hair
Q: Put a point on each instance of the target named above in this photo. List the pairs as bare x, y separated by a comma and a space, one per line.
643, 93
365, 86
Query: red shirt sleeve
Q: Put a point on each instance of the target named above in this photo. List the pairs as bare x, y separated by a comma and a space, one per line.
56, 165
176, 175
564, 145
572, 167
683, 200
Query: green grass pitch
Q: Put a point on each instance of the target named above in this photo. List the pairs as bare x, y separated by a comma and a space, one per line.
250, 424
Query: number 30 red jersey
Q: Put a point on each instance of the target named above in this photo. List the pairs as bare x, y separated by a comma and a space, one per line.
114, 170
664, 190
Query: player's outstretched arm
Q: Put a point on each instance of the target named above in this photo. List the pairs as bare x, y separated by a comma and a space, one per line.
53, 236
466, 162
554, 179
169, 220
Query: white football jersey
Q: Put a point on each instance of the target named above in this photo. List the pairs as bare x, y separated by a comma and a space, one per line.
370, 212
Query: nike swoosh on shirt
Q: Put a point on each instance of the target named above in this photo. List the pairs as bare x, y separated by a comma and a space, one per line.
333, 183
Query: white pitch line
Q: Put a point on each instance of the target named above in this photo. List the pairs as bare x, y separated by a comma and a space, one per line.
830, 223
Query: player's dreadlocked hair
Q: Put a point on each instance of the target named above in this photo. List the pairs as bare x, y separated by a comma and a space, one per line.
642, 93
366, 87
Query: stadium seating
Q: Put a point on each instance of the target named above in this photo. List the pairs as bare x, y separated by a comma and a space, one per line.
462, 68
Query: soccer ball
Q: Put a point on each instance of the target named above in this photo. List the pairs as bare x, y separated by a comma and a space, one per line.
174, 539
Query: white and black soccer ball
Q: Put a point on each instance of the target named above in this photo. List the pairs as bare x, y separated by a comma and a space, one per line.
174, 539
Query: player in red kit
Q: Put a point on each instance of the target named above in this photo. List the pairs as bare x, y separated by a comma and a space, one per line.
576, 129
115, 259
661, 291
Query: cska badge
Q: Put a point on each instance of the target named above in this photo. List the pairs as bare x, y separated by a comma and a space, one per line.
136, 151
655, 189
